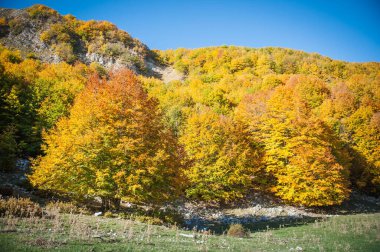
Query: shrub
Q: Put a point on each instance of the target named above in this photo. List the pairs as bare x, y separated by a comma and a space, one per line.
148, 219
169, 216
32, 55
17, 25
112, 49
99, 69
4, 27
125, 215
13, 57
63, 207
153, 216
19, 207
57, 33
3, 21
109, 214
65, 51
237, 230
128, 58
40, 11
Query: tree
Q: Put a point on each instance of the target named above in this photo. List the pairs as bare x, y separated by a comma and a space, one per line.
312, 174
113, 145
223, 160
55, 89
8, 149
17, 100
363, 127
303, 160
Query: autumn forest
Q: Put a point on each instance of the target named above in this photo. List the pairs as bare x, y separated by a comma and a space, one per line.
301, 127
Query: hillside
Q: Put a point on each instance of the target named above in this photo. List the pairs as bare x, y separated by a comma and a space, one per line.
108, 145
288, 102
42, 33
213, 125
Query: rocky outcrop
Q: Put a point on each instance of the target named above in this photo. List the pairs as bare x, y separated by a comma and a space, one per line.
40, 32
22, 33
164, 72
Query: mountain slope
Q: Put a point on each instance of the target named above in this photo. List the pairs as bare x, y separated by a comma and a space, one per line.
43, 33
301, 126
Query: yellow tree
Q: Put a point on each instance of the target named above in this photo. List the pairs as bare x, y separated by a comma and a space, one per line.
364, 134
301, 156
113, 145
223, 160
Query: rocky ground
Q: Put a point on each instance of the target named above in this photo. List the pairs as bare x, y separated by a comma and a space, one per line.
262, 211
16, 183
165, 73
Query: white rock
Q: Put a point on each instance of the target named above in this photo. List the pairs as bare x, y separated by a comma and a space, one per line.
187, 235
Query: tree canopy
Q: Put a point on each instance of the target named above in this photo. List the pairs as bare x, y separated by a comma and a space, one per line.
300, 126
112, 145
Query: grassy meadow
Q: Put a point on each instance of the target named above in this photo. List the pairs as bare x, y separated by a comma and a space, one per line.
77, 232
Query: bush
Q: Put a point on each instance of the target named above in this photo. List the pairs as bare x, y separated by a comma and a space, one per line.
4, 27
57, 33
125, 216
19, 207
3, 21
63, 207
109, 214
237, 230
153, 216
112, 49
169, 216
65, 51
40, 11
32, 55
17, 25
99, 69
148, 219
128, 58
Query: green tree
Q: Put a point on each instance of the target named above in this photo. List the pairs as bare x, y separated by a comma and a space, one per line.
8, 149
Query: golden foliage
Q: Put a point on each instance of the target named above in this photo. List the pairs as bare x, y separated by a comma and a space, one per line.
113, 145
222, 158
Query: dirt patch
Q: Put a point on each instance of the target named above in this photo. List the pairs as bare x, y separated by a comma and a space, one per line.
165, 73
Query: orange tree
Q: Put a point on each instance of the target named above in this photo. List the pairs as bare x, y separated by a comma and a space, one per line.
113, 145
304, 161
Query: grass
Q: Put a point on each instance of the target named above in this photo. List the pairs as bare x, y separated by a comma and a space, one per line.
76, 232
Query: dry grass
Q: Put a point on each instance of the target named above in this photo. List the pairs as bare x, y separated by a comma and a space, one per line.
73, 232
237, 230
64, 207
19, 207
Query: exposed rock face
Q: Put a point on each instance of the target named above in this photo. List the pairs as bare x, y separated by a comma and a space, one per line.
86, 41
23, 33
165, 73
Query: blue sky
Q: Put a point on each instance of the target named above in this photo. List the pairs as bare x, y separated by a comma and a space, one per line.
345, 30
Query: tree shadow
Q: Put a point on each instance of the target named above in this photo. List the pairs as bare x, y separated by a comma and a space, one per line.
358, 203
251, 223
